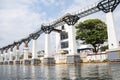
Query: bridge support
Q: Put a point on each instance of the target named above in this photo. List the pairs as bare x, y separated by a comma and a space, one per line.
72, 56
113, 42
6, 57
35, 59
47, 59
1, 59
70, 20
112, 37
10, 58
26, 60
108, 6
17, 60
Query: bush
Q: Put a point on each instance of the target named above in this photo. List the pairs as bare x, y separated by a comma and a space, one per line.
106, 60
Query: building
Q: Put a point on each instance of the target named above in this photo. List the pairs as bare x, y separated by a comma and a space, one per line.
85, 52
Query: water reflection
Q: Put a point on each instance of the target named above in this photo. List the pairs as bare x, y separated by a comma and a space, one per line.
115, 71
61, 72
95, 71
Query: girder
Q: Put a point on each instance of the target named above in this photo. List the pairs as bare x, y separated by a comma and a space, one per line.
57, 30
26, 40
17, 43
108, 5
47, 29
34, 36
70, 19
87, 12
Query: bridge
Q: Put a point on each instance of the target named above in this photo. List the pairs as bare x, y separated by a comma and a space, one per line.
69, 20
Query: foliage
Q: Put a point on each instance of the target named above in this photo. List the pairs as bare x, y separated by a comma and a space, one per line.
41, 52
106, 60
13, 58
22, 56
104, 48
92, 31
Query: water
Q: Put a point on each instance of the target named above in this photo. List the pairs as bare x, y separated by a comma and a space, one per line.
61, 72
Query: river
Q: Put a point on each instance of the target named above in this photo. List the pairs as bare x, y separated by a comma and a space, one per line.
91, 71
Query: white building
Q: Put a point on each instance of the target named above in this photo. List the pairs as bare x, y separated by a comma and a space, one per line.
63, 42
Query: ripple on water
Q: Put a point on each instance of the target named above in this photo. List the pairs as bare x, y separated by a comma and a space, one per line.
61, 72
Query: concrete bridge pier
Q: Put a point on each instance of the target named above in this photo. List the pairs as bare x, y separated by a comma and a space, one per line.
72, 57
35, 59
26, 60
6, 59
10, 56
47, 59
112, 37
113, 43
1, 58
17, 60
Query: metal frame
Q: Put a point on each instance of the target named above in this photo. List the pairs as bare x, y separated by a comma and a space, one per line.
108, 5
70, 19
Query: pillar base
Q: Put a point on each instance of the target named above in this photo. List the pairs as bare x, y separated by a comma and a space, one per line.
73, 59
6, 62
48, 60
17, 62
113, 55
27, 62
11, 62
35, 61
1, 63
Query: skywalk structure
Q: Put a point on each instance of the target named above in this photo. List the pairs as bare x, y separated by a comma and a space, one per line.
63, 26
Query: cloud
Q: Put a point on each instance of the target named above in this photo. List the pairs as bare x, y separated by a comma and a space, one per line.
48, 2
52, 2
17, 21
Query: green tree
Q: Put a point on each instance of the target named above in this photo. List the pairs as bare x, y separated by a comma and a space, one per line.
103, 48
22, 56
92, 31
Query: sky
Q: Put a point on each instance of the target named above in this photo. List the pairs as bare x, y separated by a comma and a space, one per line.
19, 18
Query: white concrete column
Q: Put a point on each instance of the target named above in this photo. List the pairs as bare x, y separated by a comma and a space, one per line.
11, 53
1, 57
72, 40
58, 43
34, 52
47, 45
112, 37
5, 56
26, 52
17, 55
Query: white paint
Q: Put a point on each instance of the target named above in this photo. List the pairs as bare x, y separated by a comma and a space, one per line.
112, 37
58, 45
10, 57
1, 57
5, 56
72, 40
72, 49
17, 55
47, 45
98, 57
26, 53
34, 52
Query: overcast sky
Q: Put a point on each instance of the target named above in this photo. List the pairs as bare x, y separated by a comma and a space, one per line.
19, 18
